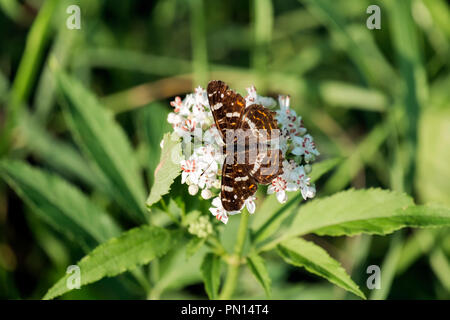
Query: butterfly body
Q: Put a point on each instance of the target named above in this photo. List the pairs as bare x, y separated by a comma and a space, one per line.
248, 133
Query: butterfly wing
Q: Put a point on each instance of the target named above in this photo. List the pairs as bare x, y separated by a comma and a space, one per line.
256, 118
237, 185
269, 167
226, 106
268, 163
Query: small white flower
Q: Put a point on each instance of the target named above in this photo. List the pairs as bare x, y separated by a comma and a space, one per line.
190, 171
291, 124
305, 146
254, 98
218, 211
308, 192
250, 204
180, 106
304, 184
279, 187
201, 97
174, 119
193, 189
206, 194
177, 104
212, 137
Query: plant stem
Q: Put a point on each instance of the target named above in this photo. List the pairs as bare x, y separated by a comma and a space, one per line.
235, 260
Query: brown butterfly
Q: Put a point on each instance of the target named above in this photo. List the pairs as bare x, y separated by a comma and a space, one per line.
246, 131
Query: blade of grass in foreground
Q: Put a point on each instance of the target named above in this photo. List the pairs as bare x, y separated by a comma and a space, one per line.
106, 144
59, 203
28, 67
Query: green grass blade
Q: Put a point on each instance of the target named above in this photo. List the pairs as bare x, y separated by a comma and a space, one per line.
60, 204
262, 24
363, 153
105, 143
441, 267
345, 95
389, 267
28, 67
57, 154
198, 43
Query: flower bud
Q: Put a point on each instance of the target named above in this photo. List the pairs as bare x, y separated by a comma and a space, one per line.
308, 168
193, 189
206, 194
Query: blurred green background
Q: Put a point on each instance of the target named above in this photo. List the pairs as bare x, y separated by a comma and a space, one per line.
379, 99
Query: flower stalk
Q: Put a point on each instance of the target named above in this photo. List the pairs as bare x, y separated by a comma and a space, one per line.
235, 261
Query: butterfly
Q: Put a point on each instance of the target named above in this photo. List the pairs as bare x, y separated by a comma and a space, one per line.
247, 132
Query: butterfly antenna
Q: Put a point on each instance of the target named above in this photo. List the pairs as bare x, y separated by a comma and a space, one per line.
207, 168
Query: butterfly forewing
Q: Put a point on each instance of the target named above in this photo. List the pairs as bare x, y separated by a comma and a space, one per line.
226, 106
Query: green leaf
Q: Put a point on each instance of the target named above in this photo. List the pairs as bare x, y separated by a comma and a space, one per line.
210, 269
59, 203
258, 268
135, 247
351, 212
302, 253
167, 170
104, 141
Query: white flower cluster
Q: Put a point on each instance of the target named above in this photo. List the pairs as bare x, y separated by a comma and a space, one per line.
192, 120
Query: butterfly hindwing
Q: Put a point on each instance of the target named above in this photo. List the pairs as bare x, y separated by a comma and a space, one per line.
268, 163
259, 120
226, 106
269, 167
